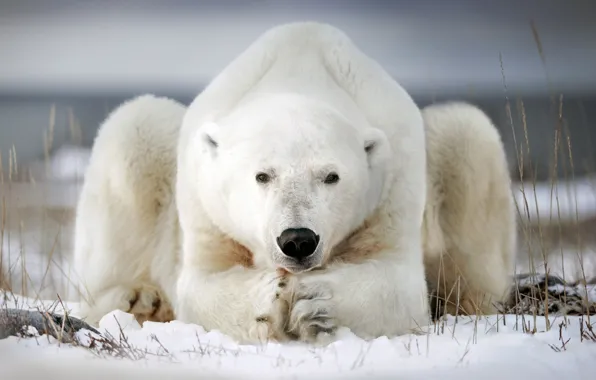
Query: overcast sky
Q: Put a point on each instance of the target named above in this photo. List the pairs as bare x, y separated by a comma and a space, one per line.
442, 45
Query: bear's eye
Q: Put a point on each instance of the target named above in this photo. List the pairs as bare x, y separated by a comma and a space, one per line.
331, 178
263, 178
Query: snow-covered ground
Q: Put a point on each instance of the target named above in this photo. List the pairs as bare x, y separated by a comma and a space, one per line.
487, 348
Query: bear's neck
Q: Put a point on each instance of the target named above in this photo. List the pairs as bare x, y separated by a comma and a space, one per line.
364, 242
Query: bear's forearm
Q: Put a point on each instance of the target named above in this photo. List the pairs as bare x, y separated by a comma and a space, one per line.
236, 301
379, 297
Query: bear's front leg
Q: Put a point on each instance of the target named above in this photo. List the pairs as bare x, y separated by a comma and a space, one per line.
240, 302
379, 297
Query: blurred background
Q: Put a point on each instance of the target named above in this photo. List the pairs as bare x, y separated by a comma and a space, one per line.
64, 65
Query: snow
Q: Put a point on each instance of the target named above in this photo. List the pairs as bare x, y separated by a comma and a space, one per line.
565, 200
491, 347
563, 261
67, 163
494, 347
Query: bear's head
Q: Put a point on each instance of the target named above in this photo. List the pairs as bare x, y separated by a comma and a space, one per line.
289, 177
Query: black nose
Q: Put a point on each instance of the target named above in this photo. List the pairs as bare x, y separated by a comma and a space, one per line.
298, 242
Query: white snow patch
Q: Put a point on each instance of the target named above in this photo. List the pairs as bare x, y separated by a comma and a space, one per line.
563, 261
67, 163
563, 200
489, 348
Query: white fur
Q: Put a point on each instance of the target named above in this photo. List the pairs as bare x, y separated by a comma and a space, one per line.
469, 231
299, 103
302, 97
126, 225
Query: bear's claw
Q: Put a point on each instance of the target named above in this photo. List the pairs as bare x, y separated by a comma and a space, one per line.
147, 304
310, 309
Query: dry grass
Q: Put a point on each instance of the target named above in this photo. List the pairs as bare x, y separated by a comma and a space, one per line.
36, 226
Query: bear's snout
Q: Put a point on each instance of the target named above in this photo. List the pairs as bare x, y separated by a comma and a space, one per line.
298, 243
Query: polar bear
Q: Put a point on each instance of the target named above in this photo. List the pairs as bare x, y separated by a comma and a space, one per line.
289, 199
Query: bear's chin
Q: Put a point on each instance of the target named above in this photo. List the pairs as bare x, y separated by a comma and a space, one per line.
293, 267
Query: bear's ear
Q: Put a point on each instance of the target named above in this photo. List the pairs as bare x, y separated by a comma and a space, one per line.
376, 146
208, 135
